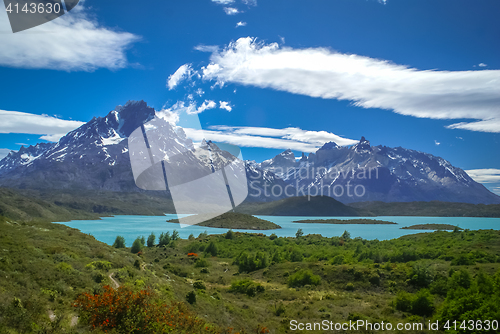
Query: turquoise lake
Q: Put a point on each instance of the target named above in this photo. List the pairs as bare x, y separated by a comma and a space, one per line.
130, 227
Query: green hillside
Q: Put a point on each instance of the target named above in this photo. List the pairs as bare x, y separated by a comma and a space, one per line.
234, 220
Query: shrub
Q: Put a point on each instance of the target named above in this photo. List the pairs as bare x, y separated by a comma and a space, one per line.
119, 242
201, 263
191, 237
125, 311
349, 286
191, 297
421, 275
151, 240
248, 262
278, 311
303, 277
420, 304
296, 256
212, 249
199, 285
247, 287
229, 234
273, 236
374, 279
103, 265
175, 235
204, 271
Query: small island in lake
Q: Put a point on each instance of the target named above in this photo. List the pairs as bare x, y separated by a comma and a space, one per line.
345, 221
431, 227
234, 220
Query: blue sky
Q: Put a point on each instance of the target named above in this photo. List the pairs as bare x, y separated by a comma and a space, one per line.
423, 75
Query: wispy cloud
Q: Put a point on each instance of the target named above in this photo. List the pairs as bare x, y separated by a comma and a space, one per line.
437, 143
367, 82
4, 152
182, 73
206, 105
223, 2
72, 42
487, 175
482, 65
50, 127
241, 24
293, 138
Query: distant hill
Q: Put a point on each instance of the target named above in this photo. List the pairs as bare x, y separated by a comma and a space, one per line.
236, 220
303, 206
429, 209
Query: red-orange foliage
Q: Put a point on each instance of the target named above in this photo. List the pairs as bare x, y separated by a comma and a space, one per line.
192, 255
137, 312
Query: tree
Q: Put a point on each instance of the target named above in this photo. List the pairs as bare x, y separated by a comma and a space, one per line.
143, 241
229, 234
175, 235
119, 242
191, 237
346, 236
151, 239
164, 239
136, 246
299, 233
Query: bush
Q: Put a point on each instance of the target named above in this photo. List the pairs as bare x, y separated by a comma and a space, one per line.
349, 286
126, 311
229, 235
279, 310
296, 256
374, 279
273, 236
247, 287
346, 236
421, 276
303, 277
191, 297
119, 242
199, 285
175, 235
212, 249
420, 304
248, 262
201, 263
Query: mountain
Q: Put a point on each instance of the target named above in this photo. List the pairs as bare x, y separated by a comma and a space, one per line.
377, 173
303, 206
95, 156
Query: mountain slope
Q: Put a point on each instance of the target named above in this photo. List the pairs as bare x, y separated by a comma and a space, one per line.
366, 173
95, 156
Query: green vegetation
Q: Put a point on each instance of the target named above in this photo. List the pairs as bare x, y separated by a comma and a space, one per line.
442, 227
344, 221
303, 206
429, 209
245, 281
233, 220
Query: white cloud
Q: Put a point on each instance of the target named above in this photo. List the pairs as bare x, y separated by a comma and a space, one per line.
367, 82
487, 175
72, 42
169, 115
207, 104
225, 105
4, 152
182, 73
482, 65
52, 128
241, 24
231, 10
436, 142
495, 190
293, 138
223, 2
250, 2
